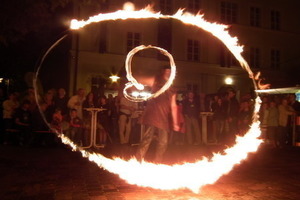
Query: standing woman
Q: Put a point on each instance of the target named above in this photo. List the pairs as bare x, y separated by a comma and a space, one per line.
103, 119
285, 111
219, 117
89, 102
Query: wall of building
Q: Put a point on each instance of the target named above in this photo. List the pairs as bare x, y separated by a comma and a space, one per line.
207, 73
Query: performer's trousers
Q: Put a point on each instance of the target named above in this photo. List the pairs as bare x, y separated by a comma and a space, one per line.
161, 146
192, 130
124, 128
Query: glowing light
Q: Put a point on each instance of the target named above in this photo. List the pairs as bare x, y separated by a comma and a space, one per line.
135, 94
228, 80
133, 82
187, 175
1, 79
114, 78
128, 6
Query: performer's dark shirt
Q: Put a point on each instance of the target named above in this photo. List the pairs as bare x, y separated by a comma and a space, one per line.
158, 111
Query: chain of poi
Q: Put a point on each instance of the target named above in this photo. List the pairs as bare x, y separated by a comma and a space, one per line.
134, 83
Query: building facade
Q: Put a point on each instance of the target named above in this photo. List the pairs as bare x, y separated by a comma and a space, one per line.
268, 30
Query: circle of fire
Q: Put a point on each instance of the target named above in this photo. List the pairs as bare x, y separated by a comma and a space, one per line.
192, 176
133, 82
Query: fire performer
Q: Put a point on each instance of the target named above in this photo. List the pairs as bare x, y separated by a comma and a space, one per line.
156, 118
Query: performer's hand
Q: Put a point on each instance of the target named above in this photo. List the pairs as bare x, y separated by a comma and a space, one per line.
176, 127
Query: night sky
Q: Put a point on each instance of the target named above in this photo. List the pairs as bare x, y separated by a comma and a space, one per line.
27, 29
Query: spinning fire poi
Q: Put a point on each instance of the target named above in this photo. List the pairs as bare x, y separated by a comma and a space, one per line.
192, 176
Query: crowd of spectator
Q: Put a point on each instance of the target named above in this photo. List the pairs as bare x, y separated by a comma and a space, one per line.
26, 122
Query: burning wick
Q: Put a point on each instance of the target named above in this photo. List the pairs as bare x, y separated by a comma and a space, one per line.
133, 81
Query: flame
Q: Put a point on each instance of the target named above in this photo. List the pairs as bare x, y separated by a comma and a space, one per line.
191, 176
133, 82
259, 80
195, 175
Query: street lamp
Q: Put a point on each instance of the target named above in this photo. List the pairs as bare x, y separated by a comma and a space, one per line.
114, 78
228, 81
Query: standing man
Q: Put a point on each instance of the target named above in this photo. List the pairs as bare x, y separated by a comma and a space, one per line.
126, 109
232, 115
76, 101
285, 111
191, 111
156, 118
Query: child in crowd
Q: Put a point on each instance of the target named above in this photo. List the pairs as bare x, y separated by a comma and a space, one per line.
75, 125
57, 119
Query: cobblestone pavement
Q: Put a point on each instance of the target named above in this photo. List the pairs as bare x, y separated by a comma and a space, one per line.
48, 173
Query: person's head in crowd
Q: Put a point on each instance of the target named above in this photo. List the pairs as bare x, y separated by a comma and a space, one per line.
190, 95
264, 106
48, 97
219, 101
12, 96
231, 94
30, 90
43, 106
216, 97
102, 100
90, 96
57, 111
61, 92
265, 99
81, 92
73, 113
110, 97
25, 105
273, 104
292, 98
284, 101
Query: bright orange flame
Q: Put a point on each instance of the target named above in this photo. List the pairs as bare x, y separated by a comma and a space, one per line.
133, 82
259, 80
188, 175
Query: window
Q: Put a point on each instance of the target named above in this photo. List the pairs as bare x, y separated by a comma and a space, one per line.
255, 16
165, 6
192, 87
229, 12
194, 6
275, 20
255, 57
275, 59
193, 50
133, 40
164, 37
227, 59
